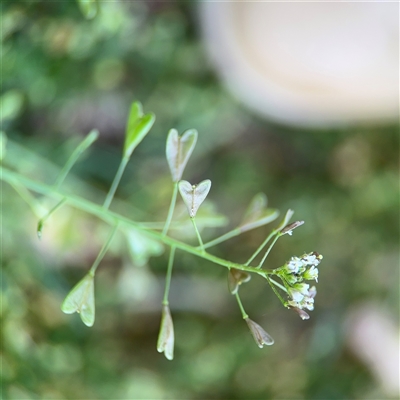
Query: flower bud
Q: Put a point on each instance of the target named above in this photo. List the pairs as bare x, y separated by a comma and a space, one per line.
289, 228
303, 315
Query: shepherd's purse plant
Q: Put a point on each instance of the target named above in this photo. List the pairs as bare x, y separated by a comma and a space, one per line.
290, 281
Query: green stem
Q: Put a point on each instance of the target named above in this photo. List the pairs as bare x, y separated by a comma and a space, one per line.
89, 139
198, 235
28, 198
244, 315
222, 238
114, 185
103, 250
278, 284
168, 276
43, 219
111, 217
270, 281
263, 244
269, 249
171, 209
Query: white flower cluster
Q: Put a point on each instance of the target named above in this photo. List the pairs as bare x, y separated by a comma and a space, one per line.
294, 272
302, 268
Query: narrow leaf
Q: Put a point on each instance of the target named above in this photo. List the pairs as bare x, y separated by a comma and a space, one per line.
194, 195
179, 150
137, 128
81, 300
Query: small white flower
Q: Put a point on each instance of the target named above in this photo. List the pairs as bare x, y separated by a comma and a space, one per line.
308, 302
312, 292
294, 304
295, 294
309, 259
302, 288
312, 258
311, 274
294, 265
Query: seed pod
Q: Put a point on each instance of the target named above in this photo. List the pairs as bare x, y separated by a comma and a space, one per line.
194, 195
179, 150
81, 300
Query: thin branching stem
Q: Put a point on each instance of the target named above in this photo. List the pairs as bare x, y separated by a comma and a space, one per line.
168, 276
43, 219
244, 315
89, 139
278, 285
111, 217
171, 209
198, 235
103, 250
223, 238
114, 185
263, 244
27, 197
269, 249
272, 283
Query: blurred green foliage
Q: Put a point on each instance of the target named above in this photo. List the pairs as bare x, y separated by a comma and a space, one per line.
63, 75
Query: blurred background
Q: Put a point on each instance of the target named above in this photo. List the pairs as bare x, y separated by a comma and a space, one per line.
304, 109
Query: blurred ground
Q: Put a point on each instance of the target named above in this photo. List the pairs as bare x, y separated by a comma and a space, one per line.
64, 75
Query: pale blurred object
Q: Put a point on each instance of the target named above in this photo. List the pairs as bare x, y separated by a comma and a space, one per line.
374, 338
309, 64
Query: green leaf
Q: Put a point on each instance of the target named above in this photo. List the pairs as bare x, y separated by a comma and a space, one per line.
137, 128
89, 8
81, 300
194, 195
257, 214
179, 150
136, 112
